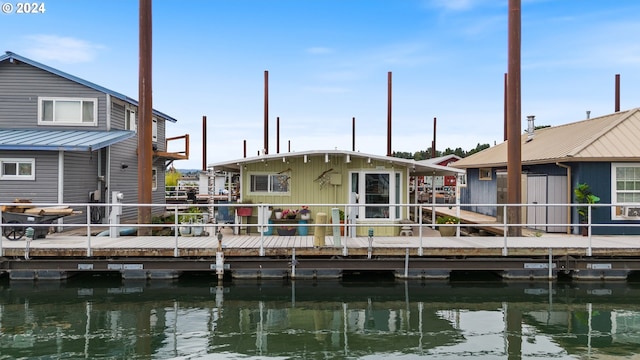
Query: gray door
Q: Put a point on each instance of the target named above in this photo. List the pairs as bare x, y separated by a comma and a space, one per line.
557, 194
537, 194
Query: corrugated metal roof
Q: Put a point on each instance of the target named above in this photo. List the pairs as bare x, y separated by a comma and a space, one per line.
13, 56
417, 168
67, 140
606, 138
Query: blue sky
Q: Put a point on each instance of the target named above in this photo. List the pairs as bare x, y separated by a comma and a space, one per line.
328, 62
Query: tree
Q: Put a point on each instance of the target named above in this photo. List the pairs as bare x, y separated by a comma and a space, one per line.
172, 176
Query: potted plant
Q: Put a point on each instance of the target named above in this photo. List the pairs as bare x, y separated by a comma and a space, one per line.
341, 216
277, 212
447, 220
305, 213
289, 213
584, 196
192, 216
244, 210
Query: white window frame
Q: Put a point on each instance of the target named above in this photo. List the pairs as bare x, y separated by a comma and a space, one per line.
18, 161
130, 120
55, 122
154, 178
488, 176
271, 177
462, 180
154, 129
395, 193
619, 209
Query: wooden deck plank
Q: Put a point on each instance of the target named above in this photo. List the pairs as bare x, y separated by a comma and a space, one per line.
67, 245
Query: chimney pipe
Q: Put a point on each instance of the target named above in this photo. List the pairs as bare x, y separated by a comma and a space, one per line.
204, 143
389, 113
244, 148
617, 104
353, 134
433, 144
588, 114
278, 135
531, 127
266, 112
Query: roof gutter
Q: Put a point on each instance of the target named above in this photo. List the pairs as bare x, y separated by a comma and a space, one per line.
568, 192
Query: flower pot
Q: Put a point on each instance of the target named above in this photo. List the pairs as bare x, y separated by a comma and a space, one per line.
184, 230
278, 215
447, 231
306, 216
197, 230
303, 230
286, 231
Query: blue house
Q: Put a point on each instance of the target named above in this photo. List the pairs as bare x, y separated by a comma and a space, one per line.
603, 152
67, 140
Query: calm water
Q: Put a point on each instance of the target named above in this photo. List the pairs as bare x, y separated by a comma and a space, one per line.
102, 318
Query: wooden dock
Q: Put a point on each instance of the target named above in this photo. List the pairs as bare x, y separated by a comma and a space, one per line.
61, 255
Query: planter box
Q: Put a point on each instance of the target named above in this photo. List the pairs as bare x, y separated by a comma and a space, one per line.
286, 232
245, 211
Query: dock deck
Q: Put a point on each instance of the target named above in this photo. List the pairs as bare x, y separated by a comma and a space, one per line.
253, 256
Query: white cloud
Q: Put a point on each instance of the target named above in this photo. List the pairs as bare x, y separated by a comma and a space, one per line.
457, 5
61, 49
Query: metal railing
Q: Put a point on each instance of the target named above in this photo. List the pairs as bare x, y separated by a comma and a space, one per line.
189, 219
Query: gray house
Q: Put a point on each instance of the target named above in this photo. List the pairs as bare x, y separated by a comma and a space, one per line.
66, 140
602, 152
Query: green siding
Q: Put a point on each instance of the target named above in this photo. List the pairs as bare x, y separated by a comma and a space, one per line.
306, 186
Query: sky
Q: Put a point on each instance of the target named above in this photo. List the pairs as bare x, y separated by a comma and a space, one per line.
328, 62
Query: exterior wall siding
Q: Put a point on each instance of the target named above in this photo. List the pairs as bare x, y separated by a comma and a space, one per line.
306, 188
20, 86
126, 153
480, 192
80, 177
598, 176
44, 189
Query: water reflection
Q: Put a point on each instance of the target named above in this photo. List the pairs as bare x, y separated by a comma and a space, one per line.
197, 319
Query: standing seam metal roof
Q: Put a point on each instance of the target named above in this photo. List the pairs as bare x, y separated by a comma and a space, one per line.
606, 138
67, 140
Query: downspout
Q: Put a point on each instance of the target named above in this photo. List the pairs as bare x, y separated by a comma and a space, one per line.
60, 185
107, 181
568, 193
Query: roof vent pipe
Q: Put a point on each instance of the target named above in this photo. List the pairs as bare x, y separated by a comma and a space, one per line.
588, 114
531, 127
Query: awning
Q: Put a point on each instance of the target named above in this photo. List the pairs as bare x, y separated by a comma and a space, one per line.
67, 140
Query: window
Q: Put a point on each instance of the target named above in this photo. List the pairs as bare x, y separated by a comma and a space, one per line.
379, 191
626, 190
130, 120
154, 130
67, 111
271, 183
17, 169
462, 180
154, 178
485, 173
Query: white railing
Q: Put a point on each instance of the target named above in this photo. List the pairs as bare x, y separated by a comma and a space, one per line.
179, 218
